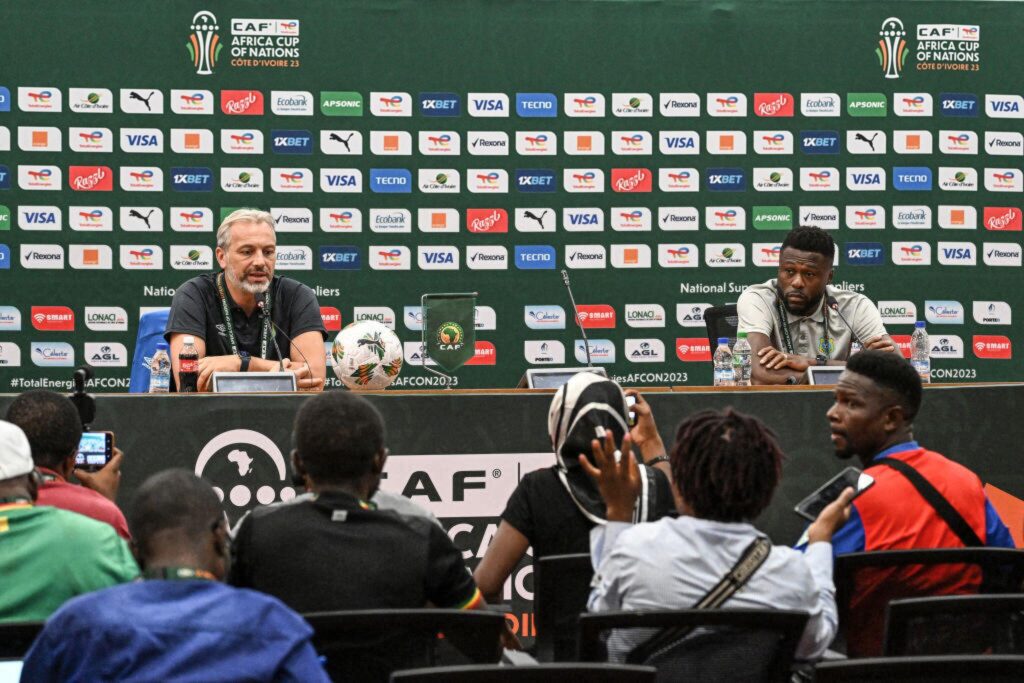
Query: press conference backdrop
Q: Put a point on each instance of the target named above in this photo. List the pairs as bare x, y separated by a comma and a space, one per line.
657, 151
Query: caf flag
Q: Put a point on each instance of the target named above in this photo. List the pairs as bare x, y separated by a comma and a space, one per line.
449, 330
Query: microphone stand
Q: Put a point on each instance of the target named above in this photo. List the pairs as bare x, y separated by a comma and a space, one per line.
576, 314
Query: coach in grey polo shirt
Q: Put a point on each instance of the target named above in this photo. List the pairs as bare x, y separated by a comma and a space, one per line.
814, 333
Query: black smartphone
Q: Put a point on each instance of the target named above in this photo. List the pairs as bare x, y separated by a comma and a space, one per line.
94, 451
631, 417
810, 507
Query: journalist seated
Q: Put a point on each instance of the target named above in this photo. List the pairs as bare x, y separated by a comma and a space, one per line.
726, 466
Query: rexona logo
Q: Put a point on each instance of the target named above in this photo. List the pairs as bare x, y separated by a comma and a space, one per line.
90, 178
693, 349
866, 104
193, 179
535, 105
1000, 254
985, 313
645, 315
958, 104
487, 258
341, 103
344, 257
593, 316
773, 104
538, 180
991, 346
488, 104
631, 180
535, 257
726, 180
440, 104
864, 254
1004, 106
907, 178
824, 217
53, 319
957, 253
241, 102
487, 220
1001, 143
1002, 218
772, 218
292, 220
38, 256
679, 104
585, 256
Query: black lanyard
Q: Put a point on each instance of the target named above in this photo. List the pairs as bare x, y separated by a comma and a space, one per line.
787, 339
229, 326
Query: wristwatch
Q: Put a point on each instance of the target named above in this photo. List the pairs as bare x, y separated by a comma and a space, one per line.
245, 361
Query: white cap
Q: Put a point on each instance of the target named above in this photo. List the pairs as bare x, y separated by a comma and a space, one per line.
189, 339
15, 453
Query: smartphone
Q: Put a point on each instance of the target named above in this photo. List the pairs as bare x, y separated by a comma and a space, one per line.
94, 450
810, 507
631, 417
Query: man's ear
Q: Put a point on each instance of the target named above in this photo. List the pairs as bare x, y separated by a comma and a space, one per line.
379, 459
222, 538
893, 418
298, 470
831, 275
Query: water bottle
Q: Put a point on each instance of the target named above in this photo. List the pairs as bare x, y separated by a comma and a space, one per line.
741, 360
920, 352
160, 370
724, 374
188, 366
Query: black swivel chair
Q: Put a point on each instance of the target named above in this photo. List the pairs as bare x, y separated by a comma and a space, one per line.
368, 645
561, 587
948, 669
955, 624
1002, 569
541, 673
16, 638
721, 321
740, 646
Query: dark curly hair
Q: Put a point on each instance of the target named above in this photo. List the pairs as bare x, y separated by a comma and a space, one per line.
893, 372
337, 434
726, 465
812, 239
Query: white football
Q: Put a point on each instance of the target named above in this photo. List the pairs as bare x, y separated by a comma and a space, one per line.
366, 355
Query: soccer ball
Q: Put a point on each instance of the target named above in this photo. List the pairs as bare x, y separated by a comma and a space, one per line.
366, 355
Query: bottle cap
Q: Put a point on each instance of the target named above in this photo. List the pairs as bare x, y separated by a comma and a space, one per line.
162, 346
189, 339
723, 340
919, 324
741, 335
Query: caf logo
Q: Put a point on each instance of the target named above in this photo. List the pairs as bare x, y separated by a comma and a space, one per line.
450, 336
244, 465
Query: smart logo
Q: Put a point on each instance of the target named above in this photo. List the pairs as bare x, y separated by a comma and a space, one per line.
390, 180
340, 258
910, 178
440, 104
819, 142
539, 257
536, 105
958, 104
191, 179
535, 180
864, 254
292, 141
726, 180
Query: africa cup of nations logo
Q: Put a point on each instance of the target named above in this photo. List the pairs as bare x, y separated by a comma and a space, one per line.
892, 47
203, 43
450, 336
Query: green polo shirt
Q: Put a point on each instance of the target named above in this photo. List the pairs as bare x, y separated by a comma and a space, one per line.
48, 556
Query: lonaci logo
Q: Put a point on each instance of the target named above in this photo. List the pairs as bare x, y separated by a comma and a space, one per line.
203, 43
892, 48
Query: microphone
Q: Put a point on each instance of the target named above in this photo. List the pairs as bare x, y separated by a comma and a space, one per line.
576, 314
261, 303
84, 402
832, 303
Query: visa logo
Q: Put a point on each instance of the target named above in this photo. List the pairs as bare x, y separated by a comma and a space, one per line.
488, 105
341, 180
438, 257
866, 179
40, 217
957, 253
679, 143
1005, 107
583, 219
142, 140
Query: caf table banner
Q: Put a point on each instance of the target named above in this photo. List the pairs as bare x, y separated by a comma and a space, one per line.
449, 329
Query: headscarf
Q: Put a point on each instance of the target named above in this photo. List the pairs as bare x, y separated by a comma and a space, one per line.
582, 404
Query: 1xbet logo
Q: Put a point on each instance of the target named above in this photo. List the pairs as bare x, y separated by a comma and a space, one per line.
292, 141
191, 179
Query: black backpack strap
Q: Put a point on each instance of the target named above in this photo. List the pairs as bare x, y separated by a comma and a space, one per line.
942, 506
750, 561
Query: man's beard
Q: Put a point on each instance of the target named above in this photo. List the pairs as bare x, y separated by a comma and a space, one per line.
250, 287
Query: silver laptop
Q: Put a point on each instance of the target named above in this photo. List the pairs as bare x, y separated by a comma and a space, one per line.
824, 375
253, 382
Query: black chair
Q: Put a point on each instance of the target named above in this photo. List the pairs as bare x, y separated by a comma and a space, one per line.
730, 645
17, 637
367, 645
721, 321
956, 624
1002, 570
949, 669
540, 673
561, 585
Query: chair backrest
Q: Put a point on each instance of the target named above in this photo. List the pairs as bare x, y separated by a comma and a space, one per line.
721, 321
960, 668
735, 645
540, 673
956, 624
561, 585
16, 638
151, 332
1002, 569
367, 645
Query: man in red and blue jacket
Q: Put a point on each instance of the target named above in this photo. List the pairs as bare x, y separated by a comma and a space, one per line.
876, 400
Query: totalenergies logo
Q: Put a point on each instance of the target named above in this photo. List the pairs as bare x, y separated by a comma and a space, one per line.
959, 141
41, 175
585, 103
727, 103
142, 176
536, 141
584, 179
869, 214
914, 103
194, 100
193, 217
775, 141
390, 256
292, 178
393, 103
682, 178
244, 139
203, 43
94, 137
820, 176
772, 252
726, 216
42, 97
441, 141
634, 141
142, 254
631, 217
488, 179
913, 251
680, 253
1004, 178
343, 218
92, 217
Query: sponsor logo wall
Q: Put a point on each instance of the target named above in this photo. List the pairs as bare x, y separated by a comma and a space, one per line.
381, 194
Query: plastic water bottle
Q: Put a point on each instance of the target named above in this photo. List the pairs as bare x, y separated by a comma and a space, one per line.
920, 352
160, 370
188, 366
724, 374
741, 362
